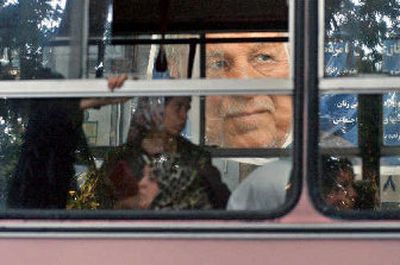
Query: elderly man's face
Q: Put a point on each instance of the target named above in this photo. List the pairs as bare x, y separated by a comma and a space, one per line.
248, 120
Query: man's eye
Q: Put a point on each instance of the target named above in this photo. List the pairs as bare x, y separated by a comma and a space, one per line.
217, 65
262, 58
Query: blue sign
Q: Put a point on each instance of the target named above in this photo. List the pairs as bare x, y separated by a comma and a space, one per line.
338, 113
391, 101
339, 59
391, 57
338, 117
391, 118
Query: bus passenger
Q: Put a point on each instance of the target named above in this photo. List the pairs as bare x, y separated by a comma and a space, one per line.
338, 183
252, 121
175, 174
44, 167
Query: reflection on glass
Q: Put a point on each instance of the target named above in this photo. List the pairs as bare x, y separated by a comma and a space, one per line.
372, 124
339, 58
56, 155
342, 185
23, 46
371, 136
338, 120
389, 182
361, 37
376, 127
139, 61
49, 148
158, 168
155, 169
391, 118
376, 133
38, 144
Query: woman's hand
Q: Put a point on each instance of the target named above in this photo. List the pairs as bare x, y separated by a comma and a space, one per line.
114, 82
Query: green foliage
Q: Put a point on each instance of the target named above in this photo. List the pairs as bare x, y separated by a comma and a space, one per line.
365, 24
22, 36
12, 127
24, 30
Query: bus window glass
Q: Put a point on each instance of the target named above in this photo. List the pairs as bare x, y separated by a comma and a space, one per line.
141, 61
361, 142
226, 151
62, 153
39, 40
361, 37
338, 120
357, 131
342, 185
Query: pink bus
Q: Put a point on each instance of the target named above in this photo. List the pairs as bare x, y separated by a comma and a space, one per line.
199, 132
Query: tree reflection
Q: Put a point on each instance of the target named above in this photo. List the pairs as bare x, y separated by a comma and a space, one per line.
365, 24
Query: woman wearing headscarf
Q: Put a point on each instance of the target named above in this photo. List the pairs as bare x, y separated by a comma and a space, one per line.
160, 169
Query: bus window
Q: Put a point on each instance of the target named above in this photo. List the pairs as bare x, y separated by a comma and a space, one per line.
358, 109
146, 117
51, 145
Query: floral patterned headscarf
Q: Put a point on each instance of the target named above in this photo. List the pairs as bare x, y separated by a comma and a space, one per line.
181, 186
